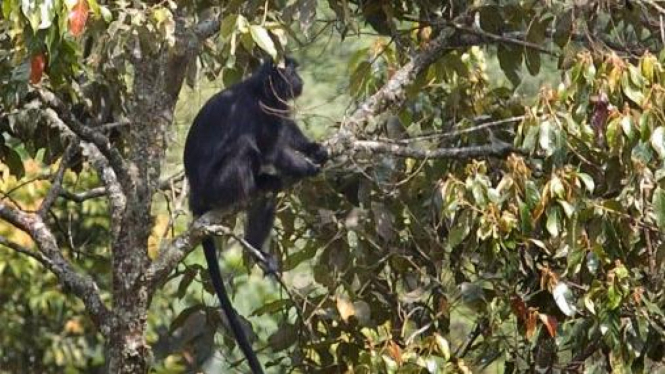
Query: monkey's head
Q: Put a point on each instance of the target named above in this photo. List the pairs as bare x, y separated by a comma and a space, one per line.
282, 81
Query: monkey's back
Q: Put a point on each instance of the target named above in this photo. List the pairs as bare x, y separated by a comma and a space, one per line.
226, 117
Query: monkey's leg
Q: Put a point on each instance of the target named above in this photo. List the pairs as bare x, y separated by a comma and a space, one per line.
259, 223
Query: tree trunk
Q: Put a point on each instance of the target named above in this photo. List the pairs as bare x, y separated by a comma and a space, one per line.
151, 115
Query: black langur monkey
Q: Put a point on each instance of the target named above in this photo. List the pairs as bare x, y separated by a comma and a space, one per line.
238, 132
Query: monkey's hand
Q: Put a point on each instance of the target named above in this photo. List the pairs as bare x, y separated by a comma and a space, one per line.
318, 154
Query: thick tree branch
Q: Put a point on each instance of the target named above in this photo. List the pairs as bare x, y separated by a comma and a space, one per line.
80, 197
171, 254
391, 95
88, 134
117, 197
495, 149
81, 285
106, 173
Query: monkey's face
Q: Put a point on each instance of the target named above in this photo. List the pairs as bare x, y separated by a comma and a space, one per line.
285, 81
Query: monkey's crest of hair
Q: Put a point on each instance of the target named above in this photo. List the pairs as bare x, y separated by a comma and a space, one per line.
279, 82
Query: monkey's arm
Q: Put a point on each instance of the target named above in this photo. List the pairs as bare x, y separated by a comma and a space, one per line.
291, 163
294, 138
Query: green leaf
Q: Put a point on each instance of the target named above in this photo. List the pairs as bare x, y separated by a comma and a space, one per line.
631, 90
461, 230
614, 297
553, 224
284, 337
529, 143
642, 153
564, 299
658, 141
184, 315
7, 9
185, 281
510, 60
359, 78
532, 194
568, 208
647, 67
613, 133
547, 140
14, 162
488, 19
635, 76
627, 126
526, 224
536, 35
588, 182
272, 307
644, 125
557, 188
228, 26
563, 28
94, 7
658, 202
589, 304
262, 38
106, 14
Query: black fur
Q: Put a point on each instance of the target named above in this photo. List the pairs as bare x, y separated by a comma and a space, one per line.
234, 136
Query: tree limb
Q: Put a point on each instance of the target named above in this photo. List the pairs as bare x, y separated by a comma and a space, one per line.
171, 254
88, 134
494, 149
80, 197
391, 95
113, 188
81, 285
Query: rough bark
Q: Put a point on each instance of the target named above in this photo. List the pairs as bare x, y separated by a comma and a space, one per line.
157, 82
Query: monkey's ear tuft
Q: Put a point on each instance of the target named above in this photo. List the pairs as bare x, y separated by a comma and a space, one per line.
281, 64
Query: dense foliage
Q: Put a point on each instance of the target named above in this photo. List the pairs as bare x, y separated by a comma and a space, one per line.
463, 227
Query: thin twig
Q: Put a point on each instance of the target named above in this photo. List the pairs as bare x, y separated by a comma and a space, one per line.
23, 250
56, 181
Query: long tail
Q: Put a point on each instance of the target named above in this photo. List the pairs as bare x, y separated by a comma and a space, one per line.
231, 314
